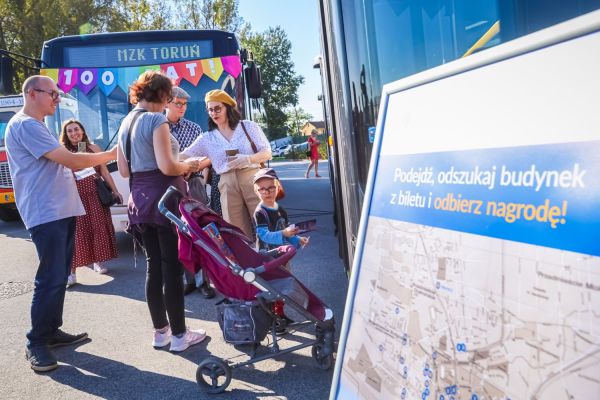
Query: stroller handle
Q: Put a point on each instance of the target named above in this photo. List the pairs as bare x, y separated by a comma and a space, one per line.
181, 226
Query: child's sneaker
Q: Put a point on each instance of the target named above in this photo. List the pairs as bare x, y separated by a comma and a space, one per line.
72, 279
187, 339
162, 337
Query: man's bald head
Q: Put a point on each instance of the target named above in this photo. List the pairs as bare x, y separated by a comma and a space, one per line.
33, 82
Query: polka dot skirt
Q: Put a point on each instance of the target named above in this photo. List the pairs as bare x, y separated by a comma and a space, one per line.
94, 232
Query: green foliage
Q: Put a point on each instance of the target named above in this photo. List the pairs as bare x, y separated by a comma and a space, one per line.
296, 155
272, 51
26, 24
210, 14
323, 150
296, 118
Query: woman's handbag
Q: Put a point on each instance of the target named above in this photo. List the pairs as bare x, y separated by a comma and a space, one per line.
106, 195
281, 191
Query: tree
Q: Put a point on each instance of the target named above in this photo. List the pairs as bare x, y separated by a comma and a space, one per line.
210, 14
296, 118
26, 24
272, 52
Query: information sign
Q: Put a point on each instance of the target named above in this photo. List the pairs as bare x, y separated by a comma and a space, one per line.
477, 273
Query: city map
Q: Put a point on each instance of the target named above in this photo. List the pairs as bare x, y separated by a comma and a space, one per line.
445, 315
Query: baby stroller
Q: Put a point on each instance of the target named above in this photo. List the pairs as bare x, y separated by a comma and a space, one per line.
254, 287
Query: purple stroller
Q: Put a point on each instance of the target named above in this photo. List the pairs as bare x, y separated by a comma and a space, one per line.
254, 286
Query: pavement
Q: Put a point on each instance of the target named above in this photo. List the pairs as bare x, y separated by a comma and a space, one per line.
118, 361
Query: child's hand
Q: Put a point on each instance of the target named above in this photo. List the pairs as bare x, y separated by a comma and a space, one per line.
304, 241
290, 231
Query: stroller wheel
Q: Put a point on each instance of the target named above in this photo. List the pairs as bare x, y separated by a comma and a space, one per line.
324, 361
213, 375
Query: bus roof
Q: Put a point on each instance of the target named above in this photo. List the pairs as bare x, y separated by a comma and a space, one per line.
223, 43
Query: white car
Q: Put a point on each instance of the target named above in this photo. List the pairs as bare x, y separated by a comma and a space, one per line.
278, 152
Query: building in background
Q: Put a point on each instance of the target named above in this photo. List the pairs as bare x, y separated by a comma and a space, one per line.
310, 125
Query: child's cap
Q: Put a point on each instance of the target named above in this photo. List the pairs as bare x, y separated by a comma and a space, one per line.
265, 173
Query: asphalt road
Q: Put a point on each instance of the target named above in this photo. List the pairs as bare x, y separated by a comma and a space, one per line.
119, 362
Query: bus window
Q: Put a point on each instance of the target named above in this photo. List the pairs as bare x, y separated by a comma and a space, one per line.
388, 40
5, 116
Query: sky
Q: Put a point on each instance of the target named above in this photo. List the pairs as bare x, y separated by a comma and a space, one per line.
300, 20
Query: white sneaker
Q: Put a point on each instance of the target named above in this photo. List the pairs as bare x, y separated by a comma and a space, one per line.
72, 279
161, 339
99, 268
189, 338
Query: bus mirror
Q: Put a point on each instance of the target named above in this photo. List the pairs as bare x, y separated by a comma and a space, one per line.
6, 75
253, 80
317, 62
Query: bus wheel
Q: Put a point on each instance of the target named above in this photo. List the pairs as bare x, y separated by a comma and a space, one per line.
9, 214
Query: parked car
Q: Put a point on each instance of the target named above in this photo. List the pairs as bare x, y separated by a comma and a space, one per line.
278, 152
287, 149
301, 146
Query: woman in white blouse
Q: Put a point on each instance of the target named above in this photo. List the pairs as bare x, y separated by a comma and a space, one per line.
229, 135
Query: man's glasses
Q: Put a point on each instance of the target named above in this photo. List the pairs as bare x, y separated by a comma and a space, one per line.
169, 99
266, 190
179, 105
53, 93
215, 110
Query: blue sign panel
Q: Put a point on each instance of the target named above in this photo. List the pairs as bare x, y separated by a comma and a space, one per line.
547, 195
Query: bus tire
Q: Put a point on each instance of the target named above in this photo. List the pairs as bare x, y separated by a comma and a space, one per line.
9, 214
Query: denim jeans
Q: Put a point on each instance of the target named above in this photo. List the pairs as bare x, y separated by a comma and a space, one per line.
54, 244
164, 277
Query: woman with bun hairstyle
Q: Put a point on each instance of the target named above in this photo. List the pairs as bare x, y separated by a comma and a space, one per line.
148, 155
229, 146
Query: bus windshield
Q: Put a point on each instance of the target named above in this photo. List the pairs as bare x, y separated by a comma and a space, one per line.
96, 71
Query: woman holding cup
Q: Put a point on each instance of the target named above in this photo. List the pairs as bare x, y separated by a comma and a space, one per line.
229, 144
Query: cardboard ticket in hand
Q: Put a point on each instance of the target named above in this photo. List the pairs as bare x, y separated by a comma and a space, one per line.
306, 226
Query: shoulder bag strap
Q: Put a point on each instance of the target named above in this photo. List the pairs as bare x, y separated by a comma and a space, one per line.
254, 149
128, 143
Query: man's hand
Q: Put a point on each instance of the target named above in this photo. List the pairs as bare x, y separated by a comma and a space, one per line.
238, 161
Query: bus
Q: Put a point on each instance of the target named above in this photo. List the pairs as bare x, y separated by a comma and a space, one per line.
366, 44
96, 69
9, 105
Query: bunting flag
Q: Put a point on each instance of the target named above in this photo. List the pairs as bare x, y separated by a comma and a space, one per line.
213, 68
50, 73
88, 78
107, 79
67, 79
145, 68
231, 65
127, 76
192, 71
169, 70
